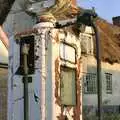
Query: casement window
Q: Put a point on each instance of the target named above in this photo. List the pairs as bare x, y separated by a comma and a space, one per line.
90, 83
108, 83
68, 86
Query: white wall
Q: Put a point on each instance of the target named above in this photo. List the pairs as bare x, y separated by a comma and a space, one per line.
89, 65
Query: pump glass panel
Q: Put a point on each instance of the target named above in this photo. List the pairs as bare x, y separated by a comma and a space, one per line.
68, 87
67, 52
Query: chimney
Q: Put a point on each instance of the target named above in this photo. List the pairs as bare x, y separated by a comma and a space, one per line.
116, 21
74, 2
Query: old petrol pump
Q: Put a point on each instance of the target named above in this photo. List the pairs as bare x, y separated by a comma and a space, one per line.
48, 59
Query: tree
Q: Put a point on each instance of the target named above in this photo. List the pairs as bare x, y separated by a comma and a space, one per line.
5, 6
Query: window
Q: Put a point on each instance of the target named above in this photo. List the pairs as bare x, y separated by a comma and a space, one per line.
67, 53
90, 83
87, 46
68, 87
29, 40
108, 83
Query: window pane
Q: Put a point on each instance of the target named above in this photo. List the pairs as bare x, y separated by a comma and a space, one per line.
90, 83
68, 91
108, 83
67, 52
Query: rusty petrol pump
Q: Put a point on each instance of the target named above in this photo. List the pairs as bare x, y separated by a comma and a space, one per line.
56, 98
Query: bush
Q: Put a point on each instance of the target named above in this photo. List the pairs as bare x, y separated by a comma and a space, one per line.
89, 114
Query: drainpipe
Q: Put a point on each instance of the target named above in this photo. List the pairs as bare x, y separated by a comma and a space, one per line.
99, 80
88, 18
25, 50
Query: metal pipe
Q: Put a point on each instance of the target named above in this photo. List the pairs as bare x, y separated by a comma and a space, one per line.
99, 81
25, 50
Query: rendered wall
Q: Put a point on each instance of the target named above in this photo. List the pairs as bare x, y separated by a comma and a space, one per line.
89, 66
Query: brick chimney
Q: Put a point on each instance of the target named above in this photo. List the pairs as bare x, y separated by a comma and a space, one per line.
74, 2
116, 20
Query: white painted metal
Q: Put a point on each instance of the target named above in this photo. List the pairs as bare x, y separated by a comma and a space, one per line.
47, 48
35, 6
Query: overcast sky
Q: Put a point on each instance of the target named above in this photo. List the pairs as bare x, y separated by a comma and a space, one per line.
105, 8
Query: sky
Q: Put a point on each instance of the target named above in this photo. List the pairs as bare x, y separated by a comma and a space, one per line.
104, 8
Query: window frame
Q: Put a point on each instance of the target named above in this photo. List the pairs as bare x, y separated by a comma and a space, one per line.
65, 43
29, 40
108, 77
75, 71
90, 84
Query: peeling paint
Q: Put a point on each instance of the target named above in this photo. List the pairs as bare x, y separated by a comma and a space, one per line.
77, 110
67, 112
57, 82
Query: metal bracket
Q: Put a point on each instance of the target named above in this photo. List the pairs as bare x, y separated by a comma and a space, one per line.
29, 79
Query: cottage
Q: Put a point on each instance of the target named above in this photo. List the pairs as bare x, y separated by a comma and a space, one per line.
109, 37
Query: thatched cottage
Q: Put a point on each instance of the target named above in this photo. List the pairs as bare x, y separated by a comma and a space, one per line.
109, 37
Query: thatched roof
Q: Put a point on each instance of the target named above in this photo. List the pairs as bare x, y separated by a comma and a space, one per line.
109, 33
110, 41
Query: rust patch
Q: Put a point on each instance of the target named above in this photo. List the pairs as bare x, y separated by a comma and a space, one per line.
61, 117
77, 109
57, 38
57, 81
26, 32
